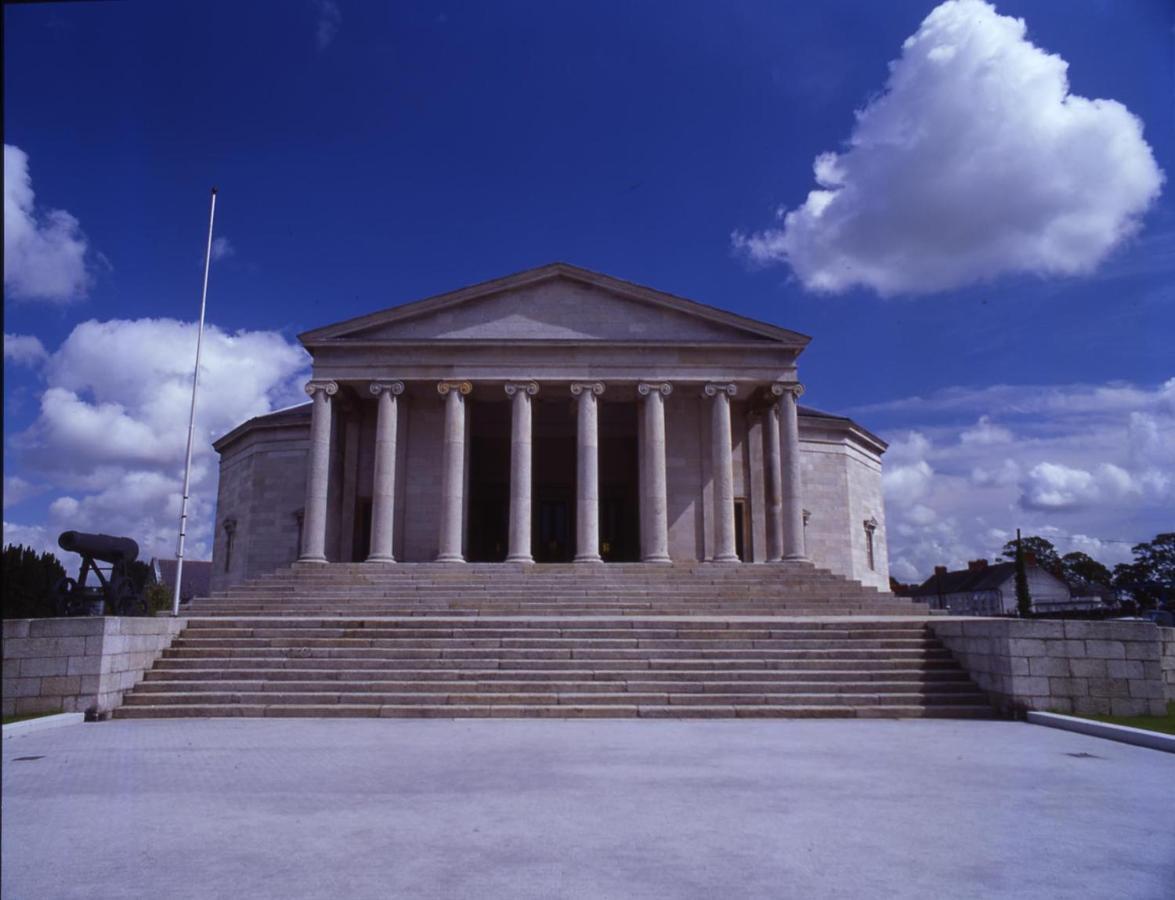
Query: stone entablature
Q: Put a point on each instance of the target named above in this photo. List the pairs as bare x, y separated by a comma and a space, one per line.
412, 407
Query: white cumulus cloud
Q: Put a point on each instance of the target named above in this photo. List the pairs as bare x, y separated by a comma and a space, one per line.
44, 254
222, 248
975, 161
24, 349
108, 444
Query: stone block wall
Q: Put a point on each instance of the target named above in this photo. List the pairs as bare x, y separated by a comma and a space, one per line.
1167, 636
1087, 668
79, 664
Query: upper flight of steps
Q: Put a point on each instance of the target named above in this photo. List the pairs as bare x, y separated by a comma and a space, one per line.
411, 589
561, 666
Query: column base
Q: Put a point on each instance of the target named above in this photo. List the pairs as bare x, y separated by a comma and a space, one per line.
525, 560
796, 557
595, 558
450, 558
658, 560
313, 560
380, 559
725, 560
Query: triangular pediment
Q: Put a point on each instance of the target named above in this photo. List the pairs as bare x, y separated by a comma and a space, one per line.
556, 303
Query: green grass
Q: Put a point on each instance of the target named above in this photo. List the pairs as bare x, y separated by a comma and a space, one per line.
8, 720
1164, 724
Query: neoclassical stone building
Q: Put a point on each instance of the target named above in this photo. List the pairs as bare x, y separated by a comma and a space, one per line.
555, 415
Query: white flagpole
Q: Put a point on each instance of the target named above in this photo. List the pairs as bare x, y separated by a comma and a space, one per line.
179, 555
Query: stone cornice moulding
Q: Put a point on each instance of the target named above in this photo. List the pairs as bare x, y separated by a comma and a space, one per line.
464, 388
664, 388
395, 388
330, 388
713, 389
529, 388
593, 387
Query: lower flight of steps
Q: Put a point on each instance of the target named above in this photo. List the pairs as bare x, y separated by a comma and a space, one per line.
566, 666
430, 589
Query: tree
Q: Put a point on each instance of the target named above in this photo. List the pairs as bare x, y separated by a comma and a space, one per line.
1150, 579
1023, 598
1081, 569
29, 580
1041, 548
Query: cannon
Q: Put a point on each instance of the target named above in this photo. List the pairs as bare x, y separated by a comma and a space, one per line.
115, 588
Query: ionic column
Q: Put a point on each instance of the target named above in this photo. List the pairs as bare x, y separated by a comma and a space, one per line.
520, 471
383, 495
772, 463
453, 470
721, 453
793, 506
317, 472
587, 478
655, 513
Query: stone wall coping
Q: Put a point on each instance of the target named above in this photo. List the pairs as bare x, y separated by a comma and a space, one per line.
1140, 737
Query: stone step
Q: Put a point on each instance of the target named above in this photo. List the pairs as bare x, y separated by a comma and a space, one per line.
488, 686
505, 654
477, 698
204, 662
567, 711
555, 643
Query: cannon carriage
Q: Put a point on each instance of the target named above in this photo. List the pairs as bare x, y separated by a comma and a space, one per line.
115, 591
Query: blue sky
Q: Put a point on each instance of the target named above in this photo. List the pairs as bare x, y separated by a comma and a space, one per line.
369, 154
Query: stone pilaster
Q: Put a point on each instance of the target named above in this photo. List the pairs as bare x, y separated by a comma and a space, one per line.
587, 477
654, 499
520, 470
722, 451
453, 471
317, 472
791, 478
383, 499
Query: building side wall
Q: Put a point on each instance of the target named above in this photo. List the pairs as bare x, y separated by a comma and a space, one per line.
263, 487
866, 503
826, 497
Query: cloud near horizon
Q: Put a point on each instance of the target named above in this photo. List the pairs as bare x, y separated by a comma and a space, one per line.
974, 162
44, 254
1091, 467
107, 447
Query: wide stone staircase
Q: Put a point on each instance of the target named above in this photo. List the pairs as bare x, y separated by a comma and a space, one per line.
555, 641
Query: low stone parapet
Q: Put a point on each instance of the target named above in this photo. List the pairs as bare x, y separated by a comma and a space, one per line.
79, 664
1087, 668
1167, 636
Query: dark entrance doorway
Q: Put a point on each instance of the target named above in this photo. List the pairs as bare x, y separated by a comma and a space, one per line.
619, 506
487, 536
553, 519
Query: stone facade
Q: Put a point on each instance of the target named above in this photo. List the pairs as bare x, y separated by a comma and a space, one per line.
683, 451
1087, 668
79, 664
1168, 661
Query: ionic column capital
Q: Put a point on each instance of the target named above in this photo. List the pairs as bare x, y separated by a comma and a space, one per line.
664, 388
330, 388
527, 387
395, 388
713, 389
462, 387
787, 387
592, 387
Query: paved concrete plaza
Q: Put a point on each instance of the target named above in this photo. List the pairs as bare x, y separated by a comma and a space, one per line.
588, 809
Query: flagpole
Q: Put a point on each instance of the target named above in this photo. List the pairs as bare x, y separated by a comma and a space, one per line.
179, 555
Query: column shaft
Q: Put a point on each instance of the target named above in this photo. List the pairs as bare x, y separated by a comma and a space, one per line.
722, 452
772, 464
520, 471
453, 471
587, 481
655, 539
793, 506
317, 472
383, 500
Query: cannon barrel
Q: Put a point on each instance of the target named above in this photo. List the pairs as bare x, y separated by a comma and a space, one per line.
100, 546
